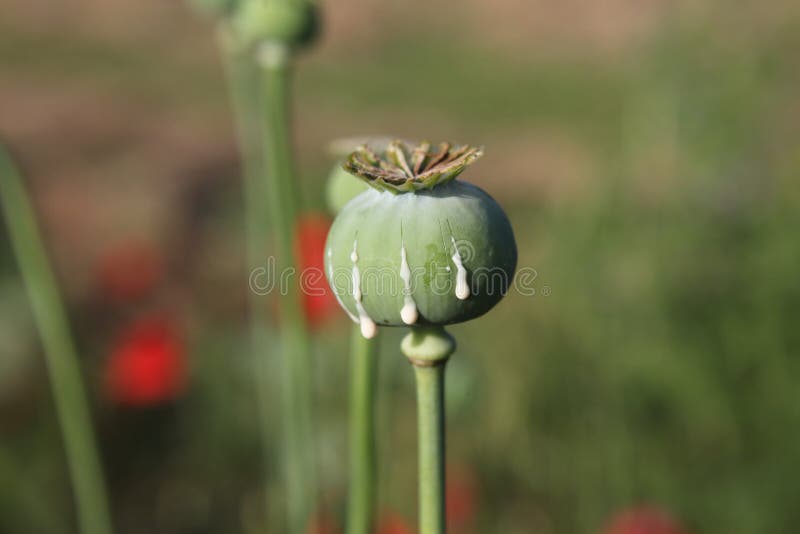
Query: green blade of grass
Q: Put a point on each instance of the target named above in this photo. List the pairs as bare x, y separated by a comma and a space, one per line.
62, 363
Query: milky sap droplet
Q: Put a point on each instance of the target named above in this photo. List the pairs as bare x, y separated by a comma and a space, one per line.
462, 288
368, 326
408, 313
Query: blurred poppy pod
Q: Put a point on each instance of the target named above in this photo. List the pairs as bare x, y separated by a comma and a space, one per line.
342, 186
311, 231
292, 23
643, 520
147, 363
128, 271
418, 248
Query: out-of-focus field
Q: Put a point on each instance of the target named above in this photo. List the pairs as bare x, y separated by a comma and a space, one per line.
647, 154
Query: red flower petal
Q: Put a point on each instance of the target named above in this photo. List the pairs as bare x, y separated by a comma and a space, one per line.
461, 498
319, 303
147, 364
643, 520
393, 524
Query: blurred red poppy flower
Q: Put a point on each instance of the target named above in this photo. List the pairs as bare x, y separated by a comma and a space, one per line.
319, 303
461, 497
643, 520
128, 270
393, 524
147, 363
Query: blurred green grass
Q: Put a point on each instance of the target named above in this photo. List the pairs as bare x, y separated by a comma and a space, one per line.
661, 366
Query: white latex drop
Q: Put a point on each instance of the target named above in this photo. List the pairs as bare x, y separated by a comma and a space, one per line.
368, 326
408, 312
462, 288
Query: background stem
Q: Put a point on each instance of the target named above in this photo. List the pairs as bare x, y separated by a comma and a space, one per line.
296, 355
430, 420
363, 375
244, 88
62, 363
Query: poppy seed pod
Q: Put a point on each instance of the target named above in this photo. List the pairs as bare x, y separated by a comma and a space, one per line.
292, 23
418, 248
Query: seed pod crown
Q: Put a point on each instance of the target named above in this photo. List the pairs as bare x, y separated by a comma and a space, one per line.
404, 168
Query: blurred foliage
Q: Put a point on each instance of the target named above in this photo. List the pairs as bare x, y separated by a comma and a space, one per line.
655, 363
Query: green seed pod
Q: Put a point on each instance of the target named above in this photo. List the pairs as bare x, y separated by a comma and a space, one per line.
342, 186
419, 247
290, 22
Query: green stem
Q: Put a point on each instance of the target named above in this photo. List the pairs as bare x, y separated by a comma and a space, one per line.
244, 89
363, 375
62, 362
428, 349
430, 421
296, 362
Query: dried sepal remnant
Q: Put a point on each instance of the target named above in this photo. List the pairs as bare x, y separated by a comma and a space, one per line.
403, 168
